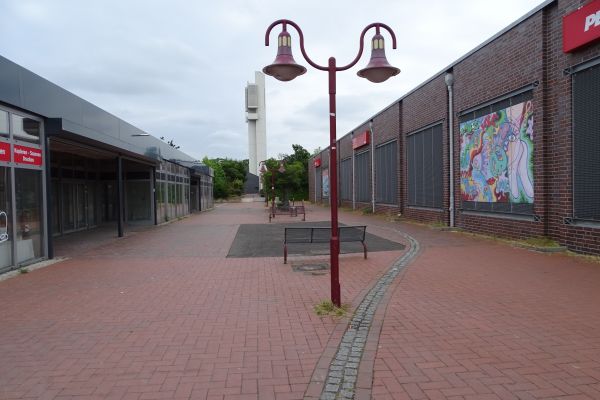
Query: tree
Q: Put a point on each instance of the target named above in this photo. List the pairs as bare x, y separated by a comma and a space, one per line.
229, 176
293, 183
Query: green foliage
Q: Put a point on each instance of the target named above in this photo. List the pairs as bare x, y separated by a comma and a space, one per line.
293, 182
230, 176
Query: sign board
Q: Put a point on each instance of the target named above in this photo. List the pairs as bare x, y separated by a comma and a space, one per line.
27, 155
581, 27
360, 140
317, 162
4, 152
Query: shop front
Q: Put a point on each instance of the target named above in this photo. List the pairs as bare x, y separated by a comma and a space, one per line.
22, 191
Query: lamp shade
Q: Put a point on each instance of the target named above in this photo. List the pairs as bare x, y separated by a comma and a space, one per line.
378, 69
284, 68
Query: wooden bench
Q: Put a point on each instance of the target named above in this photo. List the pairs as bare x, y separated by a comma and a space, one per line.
292, 211
308, 234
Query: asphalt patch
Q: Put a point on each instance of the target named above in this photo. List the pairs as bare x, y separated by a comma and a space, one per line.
266, 240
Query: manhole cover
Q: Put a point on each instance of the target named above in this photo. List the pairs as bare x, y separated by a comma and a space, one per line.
310, 267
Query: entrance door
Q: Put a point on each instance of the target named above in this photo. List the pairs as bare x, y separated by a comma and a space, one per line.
5, 220
74, 206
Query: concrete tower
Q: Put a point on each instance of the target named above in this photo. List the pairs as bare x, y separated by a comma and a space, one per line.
256, 117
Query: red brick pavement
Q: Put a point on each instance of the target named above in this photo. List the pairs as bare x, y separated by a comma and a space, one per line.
163, 314
474, 319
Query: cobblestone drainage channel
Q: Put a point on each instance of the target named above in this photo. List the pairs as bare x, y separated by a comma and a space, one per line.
341, 378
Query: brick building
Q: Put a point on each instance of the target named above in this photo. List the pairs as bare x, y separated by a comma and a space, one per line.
523, 111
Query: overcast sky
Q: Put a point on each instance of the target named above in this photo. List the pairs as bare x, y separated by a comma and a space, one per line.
178, 68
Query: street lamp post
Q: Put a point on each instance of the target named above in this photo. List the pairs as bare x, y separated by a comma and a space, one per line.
265, 168
285, 68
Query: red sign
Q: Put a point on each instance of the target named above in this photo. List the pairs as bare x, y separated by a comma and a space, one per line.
27, 155
581, 27
4, 152
317, 162
360, 140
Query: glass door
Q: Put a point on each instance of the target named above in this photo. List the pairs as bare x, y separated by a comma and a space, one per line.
68, 208
5, 220
74, 206
28, 191
80, 206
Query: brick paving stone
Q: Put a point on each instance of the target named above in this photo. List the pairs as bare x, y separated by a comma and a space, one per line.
164, 313
484, 320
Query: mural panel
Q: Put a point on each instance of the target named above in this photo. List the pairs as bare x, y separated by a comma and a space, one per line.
496, 156
325, 185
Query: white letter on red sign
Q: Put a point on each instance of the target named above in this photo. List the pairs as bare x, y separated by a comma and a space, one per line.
593, 19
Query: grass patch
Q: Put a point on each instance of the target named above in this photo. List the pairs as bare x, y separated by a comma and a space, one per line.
437, 224
541, 241
326, 307
23, 270
587, 257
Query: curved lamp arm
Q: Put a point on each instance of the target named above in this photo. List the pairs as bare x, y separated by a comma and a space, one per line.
377, 26
286, 22
300, 34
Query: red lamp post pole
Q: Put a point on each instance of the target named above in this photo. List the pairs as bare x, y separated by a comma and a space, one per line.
273, 190
334, 245
285, 68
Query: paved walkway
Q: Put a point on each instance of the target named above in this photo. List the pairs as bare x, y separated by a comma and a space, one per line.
164, 314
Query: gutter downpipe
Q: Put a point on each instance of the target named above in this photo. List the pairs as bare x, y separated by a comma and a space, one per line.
353, 179
372, 167
449, 79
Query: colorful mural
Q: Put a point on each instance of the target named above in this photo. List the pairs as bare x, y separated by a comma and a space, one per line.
496, 156
325, 185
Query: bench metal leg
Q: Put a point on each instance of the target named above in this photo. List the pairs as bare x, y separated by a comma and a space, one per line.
364, 249
285, 253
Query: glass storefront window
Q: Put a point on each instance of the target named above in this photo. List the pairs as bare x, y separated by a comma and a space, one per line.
3, 123
26, 129
28, 191
159, 201
5, 219
171, 200
138, 201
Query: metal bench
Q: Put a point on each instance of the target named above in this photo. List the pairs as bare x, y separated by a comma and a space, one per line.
292, 211
323, 235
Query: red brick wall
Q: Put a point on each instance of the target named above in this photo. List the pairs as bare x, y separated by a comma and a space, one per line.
558, 133
529, 52
510, 62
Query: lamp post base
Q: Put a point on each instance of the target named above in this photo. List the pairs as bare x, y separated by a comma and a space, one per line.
334, 248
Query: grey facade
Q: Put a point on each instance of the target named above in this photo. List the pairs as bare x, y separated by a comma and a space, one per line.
67, 165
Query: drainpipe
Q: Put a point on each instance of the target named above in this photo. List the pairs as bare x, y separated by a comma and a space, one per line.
450, 82
372, 167
353, 179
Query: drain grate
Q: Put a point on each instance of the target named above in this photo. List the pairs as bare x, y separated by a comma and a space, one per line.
310, 267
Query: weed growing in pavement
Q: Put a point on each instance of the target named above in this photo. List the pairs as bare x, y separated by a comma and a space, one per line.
541, 241
326, 307
23, 270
